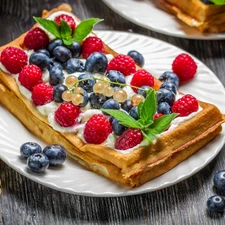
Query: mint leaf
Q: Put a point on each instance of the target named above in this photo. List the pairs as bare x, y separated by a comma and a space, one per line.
49, 25
139, 107
84, 28
218, 2
66, 31
149, 136
123, 118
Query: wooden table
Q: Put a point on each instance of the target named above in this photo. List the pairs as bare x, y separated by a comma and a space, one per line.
23, 201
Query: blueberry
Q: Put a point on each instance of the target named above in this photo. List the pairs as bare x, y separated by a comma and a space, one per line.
111, 104
62, 53
165, 95
164, 108
55, 63
56, 76
74, 65
44, 51
134, 112
137, 57
40, 59
143, 90
170, 77
87, 82
38, 162
54, 43
219, 180
97, 62
118, 128
169, 86
97, 100
75, 49
116, 76
207, 2
216, 203
57, 92
29, 148
126, 105
85, 96
56, 154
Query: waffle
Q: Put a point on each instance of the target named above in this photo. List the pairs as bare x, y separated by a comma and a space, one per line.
132, 169
206, 18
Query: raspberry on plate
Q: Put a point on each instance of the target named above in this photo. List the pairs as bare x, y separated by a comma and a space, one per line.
69, 19
97, 129
184, 67
123, 63
36, 39
90, 45
67, 113
42, 94
185, 105
30, 76
129, 139
14, 59
142, 78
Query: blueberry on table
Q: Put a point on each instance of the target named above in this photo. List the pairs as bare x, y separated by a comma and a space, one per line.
219, 180
44, 51
216, 203
137, 57
62, 53
74, 65
165, 95
117, 77
75, 49
164, 108
118, 128
170, 77
57, 92
56, 154
53, 44
169, 86
86, 81
134, 112
56, 76
55, 63
38, 162
111, 104
40, 59
29, 148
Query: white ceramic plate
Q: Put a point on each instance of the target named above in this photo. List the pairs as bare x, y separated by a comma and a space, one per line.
75, 179
152, 15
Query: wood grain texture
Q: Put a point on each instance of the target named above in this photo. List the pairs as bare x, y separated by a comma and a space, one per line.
24, 202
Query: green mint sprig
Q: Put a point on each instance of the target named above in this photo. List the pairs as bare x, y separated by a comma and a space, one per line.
64, 31
149, 126
218, 2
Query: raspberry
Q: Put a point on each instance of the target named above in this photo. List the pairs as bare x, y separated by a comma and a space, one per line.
97, 129
157, 115
42, 94
69, 19
36, 39
185, 105
30, 76
14, 59
123, 63
142, 78
184, 67
66, 115
90, 45
130, 138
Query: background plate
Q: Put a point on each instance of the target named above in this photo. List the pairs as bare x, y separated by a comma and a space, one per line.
73, 178
150, 14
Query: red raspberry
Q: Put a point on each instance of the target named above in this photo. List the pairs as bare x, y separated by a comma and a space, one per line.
69, 19
157, 115
185, 105
92, 44
42, 94
140, 78
36, 39
66, 115
184, 67
123, 63
30, 76
130, 138
97, 129
14, 59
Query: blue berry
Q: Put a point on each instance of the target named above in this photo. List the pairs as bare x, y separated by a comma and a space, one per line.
97, 62
38, 162
44, 51
56, 76
207, 2
137, 57
75, 49
53, 44
134, 112
169, 86
165, 95
62, 53
56, 154
74, 65
118, 128
143, 90
116, 76
170, 77
29, 148
216, 204
219, 180
87, 82
55, 63
97, 100
111, 104
57, 92
127, 105
164, 108
85, 101
40, 59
